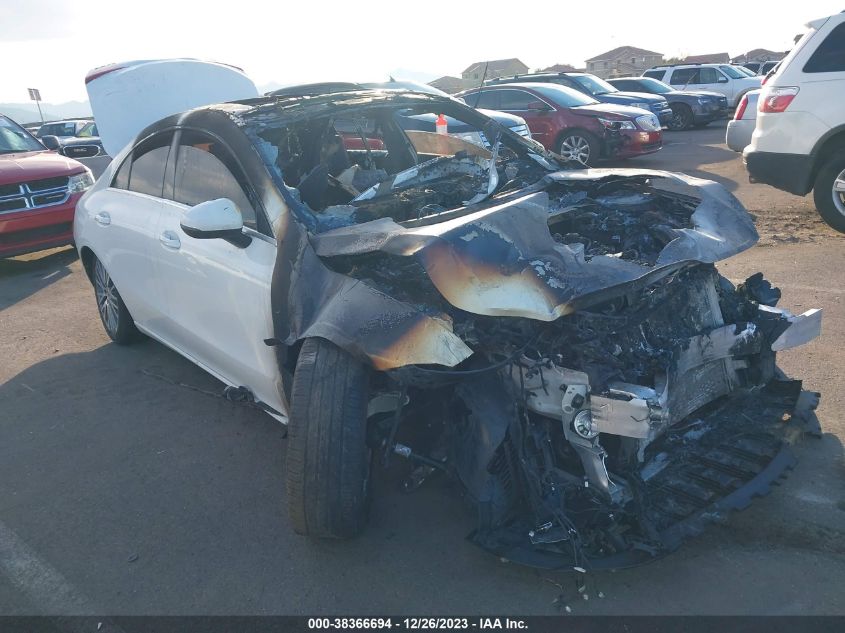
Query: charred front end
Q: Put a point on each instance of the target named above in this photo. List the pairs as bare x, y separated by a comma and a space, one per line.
564, 337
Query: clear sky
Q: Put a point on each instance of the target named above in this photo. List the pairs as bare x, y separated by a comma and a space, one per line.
51, 44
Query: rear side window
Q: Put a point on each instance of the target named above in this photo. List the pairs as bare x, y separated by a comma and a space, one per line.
684, 76
516, 100
487, 99
654, 74
829, 57
205, 170
143, 169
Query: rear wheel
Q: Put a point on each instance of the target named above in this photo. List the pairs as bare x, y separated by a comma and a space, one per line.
579, 146
681, 117
829, 191
328, 461
115, 316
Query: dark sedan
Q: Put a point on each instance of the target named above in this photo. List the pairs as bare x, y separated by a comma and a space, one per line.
690, 108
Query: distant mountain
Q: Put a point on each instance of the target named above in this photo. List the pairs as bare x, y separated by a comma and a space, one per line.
28, 112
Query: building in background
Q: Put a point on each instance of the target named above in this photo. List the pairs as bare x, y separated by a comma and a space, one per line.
493, 68
710, 58
448, 84
559, 68
759, 55
623, 61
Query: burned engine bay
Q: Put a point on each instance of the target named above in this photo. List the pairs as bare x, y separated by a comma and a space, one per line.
597, 387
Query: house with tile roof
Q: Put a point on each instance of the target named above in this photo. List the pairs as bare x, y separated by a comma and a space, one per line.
494, 68
623, 61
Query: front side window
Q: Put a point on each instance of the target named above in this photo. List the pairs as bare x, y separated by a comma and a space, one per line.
709, 76
730, 71
654, 74
205, 170
829, 57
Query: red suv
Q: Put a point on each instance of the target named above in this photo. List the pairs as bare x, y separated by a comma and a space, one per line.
38, 192
568, 122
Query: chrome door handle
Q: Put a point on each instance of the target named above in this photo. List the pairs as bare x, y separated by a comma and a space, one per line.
170, 239
103, 218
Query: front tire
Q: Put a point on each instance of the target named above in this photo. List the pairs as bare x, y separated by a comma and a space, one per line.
579, 146
829, 191
681, 118
328, 462
114, 314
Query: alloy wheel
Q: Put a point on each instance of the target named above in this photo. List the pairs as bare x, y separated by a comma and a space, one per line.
107, 298
838, 192
576, 148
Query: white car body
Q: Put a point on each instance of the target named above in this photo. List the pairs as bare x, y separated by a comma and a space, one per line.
717, 79
739, 131
818, 107
120, 93
166, 278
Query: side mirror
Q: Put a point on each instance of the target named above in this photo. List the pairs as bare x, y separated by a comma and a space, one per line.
218, 218
538, 106
51, 142
722, 80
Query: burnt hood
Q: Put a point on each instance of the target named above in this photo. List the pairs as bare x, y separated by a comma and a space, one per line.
504, 261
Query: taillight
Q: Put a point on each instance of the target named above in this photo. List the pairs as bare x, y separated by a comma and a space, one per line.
740, 110
777, 99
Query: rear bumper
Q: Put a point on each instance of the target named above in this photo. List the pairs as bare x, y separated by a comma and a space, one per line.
738, 135
38, 229
788, 172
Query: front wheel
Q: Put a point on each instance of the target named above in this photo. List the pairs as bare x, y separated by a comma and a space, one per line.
328, 461
580, 147
829, 191
114, 314
681, 118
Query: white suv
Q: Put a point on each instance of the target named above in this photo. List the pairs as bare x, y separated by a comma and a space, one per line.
722, 78
798, 143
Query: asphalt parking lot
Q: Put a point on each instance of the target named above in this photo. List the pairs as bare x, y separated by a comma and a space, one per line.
129, 486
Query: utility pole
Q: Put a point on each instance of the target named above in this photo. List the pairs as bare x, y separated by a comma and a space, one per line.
35, 95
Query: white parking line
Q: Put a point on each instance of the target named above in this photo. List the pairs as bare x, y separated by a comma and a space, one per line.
46, 588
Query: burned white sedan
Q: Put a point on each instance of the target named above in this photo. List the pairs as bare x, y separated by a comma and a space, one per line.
557, 340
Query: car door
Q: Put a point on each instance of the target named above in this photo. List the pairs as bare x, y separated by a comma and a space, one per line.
714, 80
125, 215
536, 112
218, 293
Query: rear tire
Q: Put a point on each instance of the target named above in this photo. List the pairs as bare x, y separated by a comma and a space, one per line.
328, 462
681, 117
114, 314
829, 191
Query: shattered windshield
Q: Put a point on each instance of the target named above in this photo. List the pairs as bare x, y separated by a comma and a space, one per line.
13, 138
403, 161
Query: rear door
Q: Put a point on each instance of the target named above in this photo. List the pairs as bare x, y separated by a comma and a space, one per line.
126, 215
541, 122
217, 293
